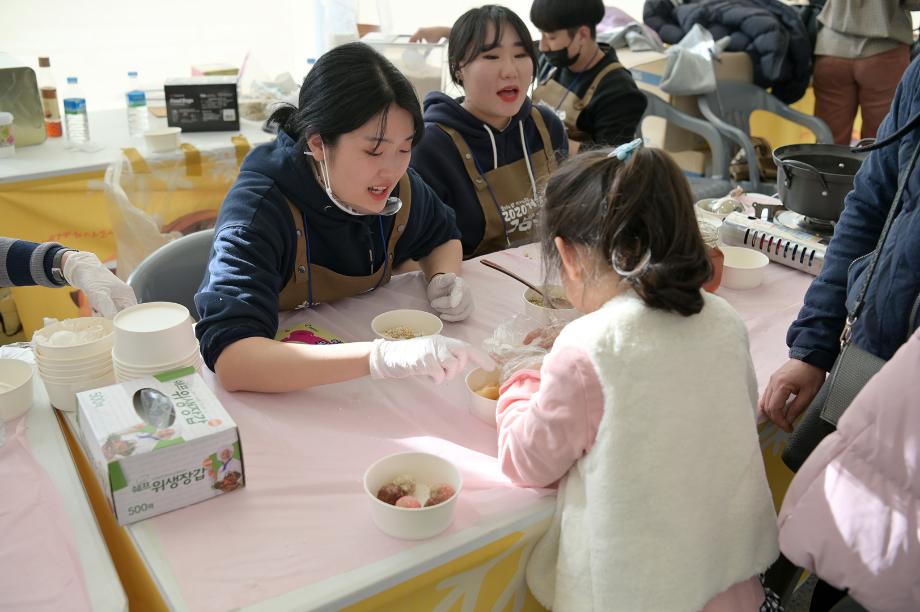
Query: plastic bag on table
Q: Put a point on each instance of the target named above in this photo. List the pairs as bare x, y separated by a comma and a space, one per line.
521, 343
690, 70
156, 200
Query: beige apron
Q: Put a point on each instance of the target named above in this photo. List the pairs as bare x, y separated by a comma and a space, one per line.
566, 105
505, 193
328, 286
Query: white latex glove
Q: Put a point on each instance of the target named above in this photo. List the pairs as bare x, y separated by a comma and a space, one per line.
107, 293
439, 357
450, 296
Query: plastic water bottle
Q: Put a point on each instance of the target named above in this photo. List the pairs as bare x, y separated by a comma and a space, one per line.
137, 107
75, 119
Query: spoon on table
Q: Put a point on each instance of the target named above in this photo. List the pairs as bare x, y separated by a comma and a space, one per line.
547, 300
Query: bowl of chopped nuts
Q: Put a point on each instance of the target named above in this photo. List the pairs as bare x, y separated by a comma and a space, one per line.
404, 324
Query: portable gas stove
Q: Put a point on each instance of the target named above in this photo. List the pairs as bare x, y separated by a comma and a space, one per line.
784, 236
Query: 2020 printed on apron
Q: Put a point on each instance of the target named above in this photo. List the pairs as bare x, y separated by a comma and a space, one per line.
506, 195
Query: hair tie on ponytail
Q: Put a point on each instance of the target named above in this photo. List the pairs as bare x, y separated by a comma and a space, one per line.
638, 270
624, 151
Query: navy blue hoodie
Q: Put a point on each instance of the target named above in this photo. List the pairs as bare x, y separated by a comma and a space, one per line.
255, 242
437, 160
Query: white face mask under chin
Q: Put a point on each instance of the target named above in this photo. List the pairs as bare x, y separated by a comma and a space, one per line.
392, 206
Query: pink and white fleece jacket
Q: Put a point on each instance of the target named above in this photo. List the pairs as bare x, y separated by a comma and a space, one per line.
646, 420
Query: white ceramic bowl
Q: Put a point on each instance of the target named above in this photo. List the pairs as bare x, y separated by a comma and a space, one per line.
412, 523
101, 336
64, 396
541, 313
15, 388
162, 140
152, 334
421, 322
482, 407
743, 268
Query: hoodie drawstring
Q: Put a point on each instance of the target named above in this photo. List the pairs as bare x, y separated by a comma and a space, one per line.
533, 182
494, 149
526, 151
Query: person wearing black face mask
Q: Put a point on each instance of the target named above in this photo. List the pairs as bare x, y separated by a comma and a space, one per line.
581, 81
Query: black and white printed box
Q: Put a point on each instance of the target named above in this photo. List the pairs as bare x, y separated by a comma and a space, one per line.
202, 104
159, 443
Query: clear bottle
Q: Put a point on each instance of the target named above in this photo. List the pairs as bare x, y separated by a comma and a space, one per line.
75, 117
138, 123
50, 106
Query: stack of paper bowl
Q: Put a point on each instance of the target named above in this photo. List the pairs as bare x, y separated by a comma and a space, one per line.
74, 355
152, 338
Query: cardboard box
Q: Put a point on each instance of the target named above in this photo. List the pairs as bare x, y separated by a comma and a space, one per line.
202, 104
159, 443
214, 70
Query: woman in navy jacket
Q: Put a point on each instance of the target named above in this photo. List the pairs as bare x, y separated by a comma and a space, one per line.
324, 212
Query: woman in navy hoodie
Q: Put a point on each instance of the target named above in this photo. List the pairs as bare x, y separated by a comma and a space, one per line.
487, 154
324, 212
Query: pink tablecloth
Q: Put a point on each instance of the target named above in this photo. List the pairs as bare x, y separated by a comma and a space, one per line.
39, 565
304, 516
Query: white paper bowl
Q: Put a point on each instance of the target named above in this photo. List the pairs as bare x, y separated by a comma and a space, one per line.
481, 407
419, 321
189, 359
64, 396
92, 349
74, 377
412, 523
59, 366
152, 334
541, 313
743, 268
15, 388
162, 140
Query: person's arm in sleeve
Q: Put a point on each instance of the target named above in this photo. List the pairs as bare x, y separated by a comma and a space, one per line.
24, 263
557, 133
615, 111
814, 337
547, 420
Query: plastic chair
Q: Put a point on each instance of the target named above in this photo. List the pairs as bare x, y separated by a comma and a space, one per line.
174, 272
729, 109
713, 186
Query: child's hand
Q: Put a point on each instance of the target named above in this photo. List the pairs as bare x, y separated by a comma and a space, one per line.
544, 337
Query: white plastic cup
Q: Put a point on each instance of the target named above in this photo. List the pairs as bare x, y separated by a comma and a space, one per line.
152, 334
481, 407
412, 523
544, 314
421, 322
743, 268
15, 388
163, 140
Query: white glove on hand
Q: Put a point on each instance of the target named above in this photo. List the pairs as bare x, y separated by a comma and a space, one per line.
450, 296
439, 357
107, 294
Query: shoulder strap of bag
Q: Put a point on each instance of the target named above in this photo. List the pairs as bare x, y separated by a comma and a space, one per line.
854, 313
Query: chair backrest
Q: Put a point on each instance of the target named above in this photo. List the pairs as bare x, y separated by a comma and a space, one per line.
734, 101
174, 272
657, 107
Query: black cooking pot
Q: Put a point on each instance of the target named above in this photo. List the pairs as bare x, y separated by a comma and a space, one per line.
814, 179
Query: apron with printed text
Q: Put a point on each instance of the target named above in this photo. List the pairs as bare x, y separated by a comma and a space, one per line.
505, 194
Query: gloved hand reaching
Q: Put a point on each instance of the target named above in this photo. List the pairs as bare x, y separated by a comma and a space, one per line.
439, 357
107, 294
450, 296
